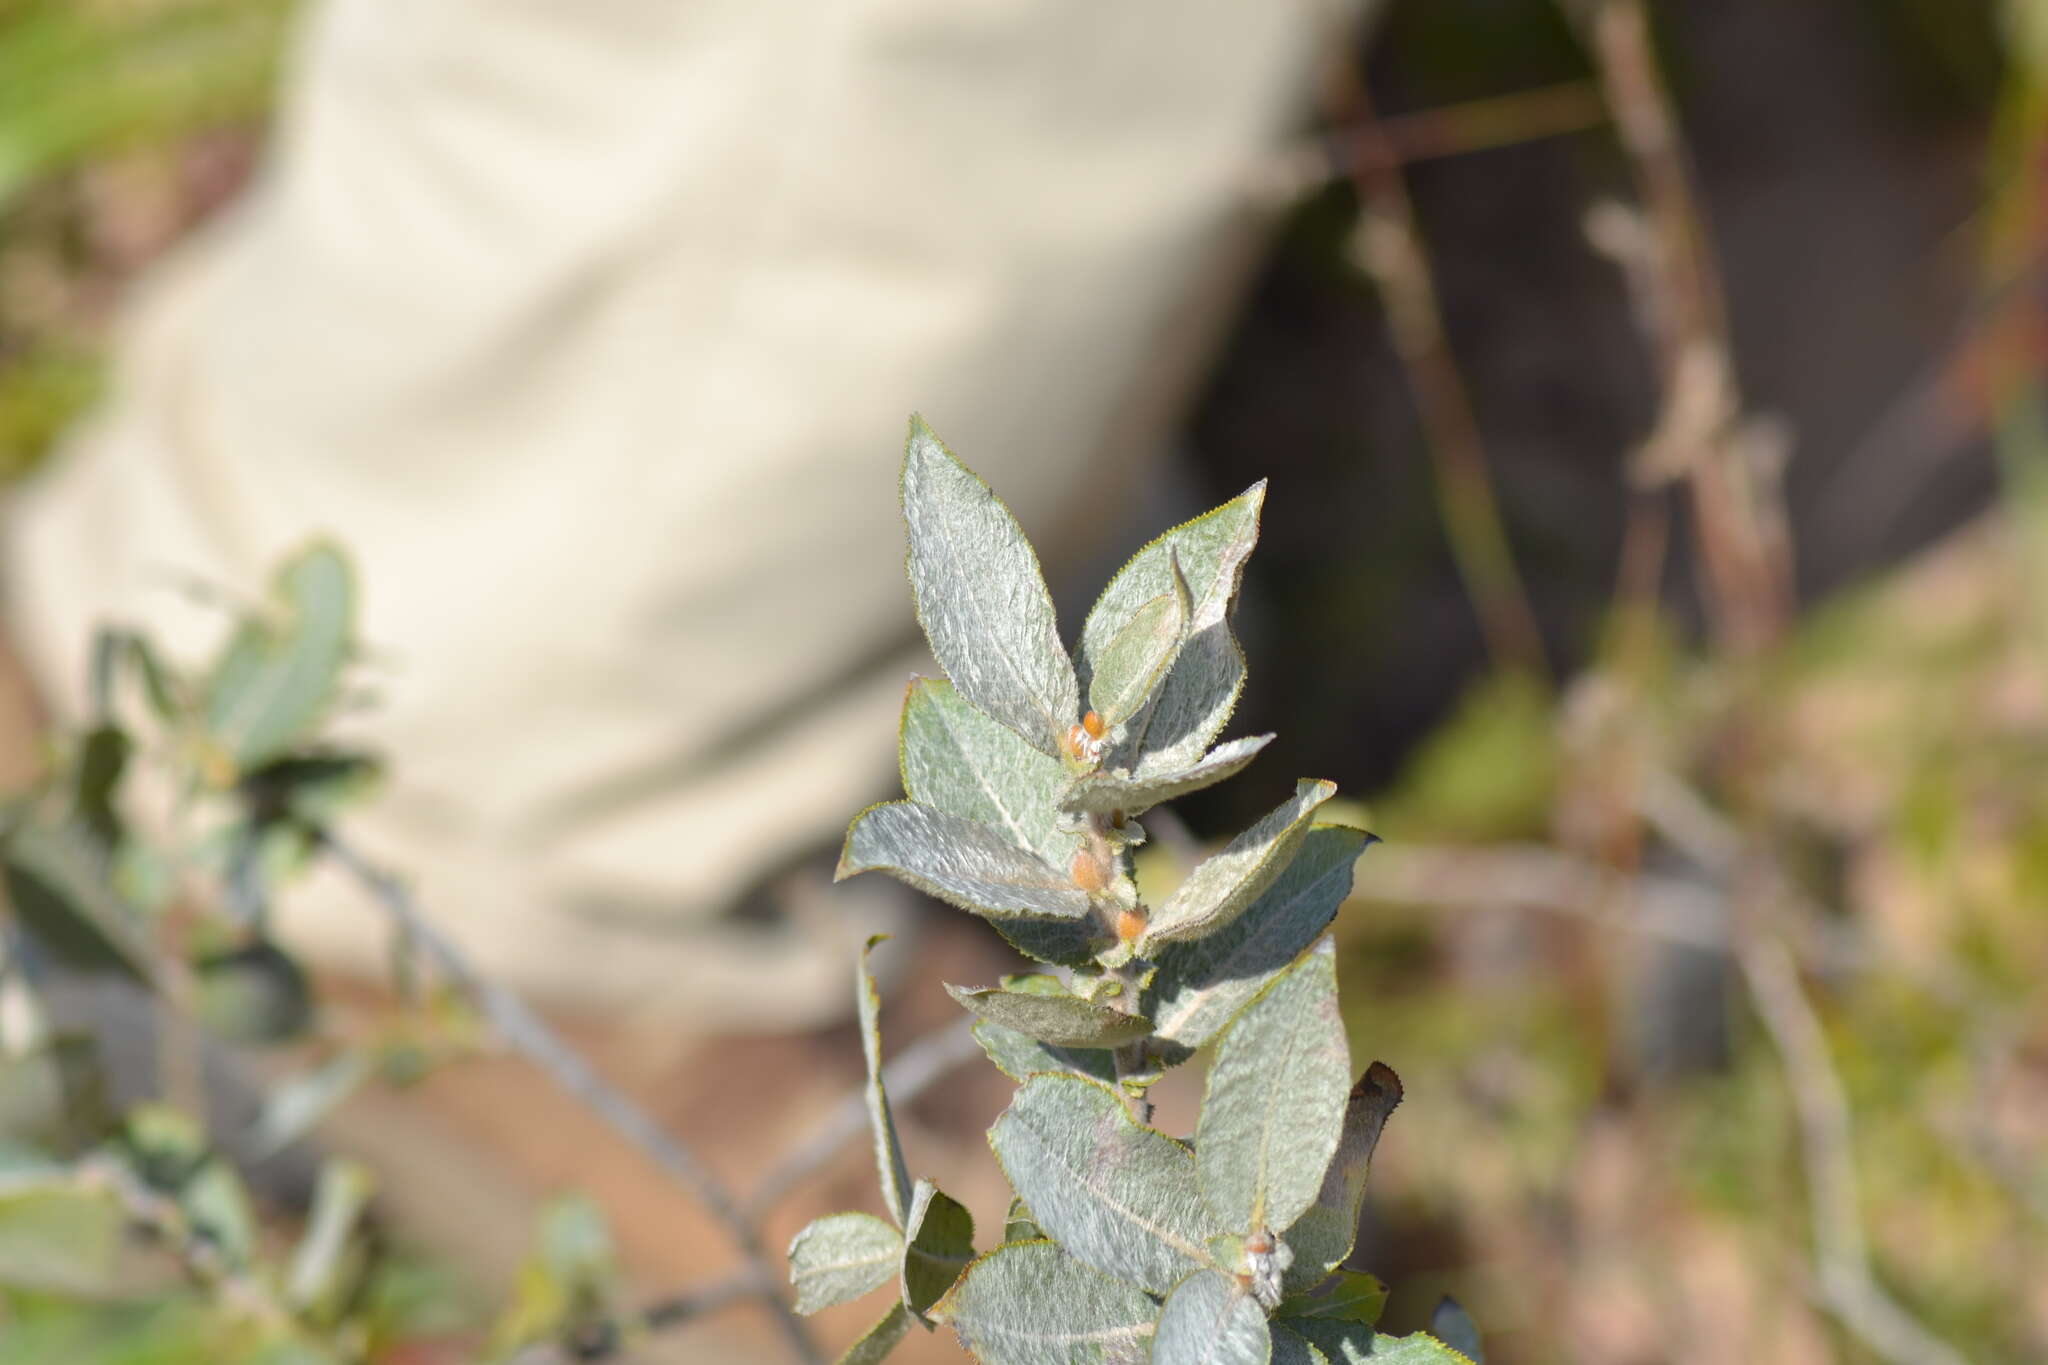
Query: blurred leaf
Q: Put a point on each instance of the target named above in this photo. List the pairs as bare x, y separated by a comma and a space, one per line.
322, 1267
310, 788
1211, 1319
1119, 1197
1488, 772
95, 775
254, 994
1033, 1304
1224, 884
57, 1235
1201, 984
1322, 1237
1274, 1104
842, 1256
1351, 1295
54, 1096
1453, 1326
1061, 1020
878, 1341
889, 1164
576, 1243
57, 886
938, 1244
295, 1107
1194, 700
1113, 792
981, 598
111, 648
957, 760
280, 672
217, 1203
962, 863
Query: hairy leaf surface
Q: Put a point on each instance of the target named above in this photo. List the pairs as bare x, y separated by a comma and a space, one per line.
1106, 792
889, 1164
1020, 1057
1223, 885
1030, 1303
957, 760
1134, 661
1289, 1349
1211, 1319
1321, 1238
1119, 1197
1274, 1105
1352, 1296
1061, 1020
1201, 984
840, 1257
959, 861
980, 596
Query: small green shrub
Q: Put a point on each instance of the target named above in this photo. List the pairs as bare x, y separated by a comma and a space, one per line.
1026, 772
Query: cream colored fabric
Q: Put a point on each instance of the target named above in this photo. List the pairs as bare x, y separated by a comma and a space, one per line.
591, 327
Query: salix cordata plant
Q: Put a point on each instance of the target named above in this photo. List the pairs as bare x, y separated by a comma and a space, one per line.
1026, 772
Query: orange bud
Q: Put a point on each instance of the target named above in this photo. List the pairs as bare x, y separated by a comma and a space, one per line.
1131, 923
1092, 723
1087, 871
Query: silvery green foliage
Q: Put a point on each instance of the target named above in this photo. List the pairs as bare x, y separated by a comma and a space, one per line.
1123, 1244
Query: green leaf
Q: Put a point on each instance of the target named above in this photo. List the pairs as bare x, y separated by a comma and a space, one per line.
1289, 1349
938, 1244
957, 760
1106, 793
1061, 1020
1020, 1057
57, 1236
1273, 1108
981, 599
218, 1203
1322, 1237
280, 673
1221, 886
876, 1343
57, 887
1019, 1226
960, 862
1211, 1319
1120, 1197
1136, 658
1354, 1343
842, 1256
1033, 1304
1202, 984
1352, 1296
1069, 942
1453, 1326
102, 759
889, 1164
1191, 704
254, 994
296, 1107
321, 1265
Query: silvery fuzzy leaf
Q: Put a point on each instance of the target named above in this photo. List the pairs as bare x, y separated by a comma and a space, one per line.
876, 1343
840, 1257
1030, 1303
1202, 983
959, 861
1289, 1349
1273, 1108
1106, 793
1135, 660
1020, 1057
889, 1164
280, 673
957, 760
1061, 1020
938, 1242
1351, 1295
1117, 1196
1189, 706
1211, 1319
1354, 1343
980, 596
1222, 885
1323, 1235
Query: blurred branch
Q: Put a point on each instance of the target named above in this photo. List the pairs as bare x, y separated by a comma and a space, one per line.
609, 1340
908, 1074
1388, 247
528, 1033
248, 1294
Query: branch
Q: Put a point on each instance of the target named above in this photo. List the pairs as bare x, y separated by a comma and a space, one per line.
528, 1033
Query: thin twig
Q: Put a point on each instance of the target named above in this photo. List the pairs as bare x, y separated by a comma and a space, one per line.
527, 1032
1389, 248
908, 1074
